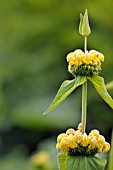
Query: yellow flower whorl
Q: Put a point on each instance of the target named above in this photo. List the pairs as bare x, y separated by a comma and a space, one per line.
73, 142
86, 64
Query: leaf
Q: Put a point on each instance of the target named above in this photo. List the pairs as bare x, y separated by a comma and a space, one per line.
99, 85
62, 158
110, 165
66, 162
65, 89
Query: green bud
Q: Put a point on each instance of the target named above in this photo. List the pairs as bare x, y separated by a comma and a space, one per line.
84, 27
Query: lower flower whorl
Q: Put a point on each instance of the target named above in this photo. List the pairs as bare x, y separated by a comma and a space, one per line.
75, 143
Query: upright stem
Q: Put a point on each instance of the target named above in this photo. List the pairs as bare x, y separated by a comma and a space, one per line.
84, 96
84, 106
85, 44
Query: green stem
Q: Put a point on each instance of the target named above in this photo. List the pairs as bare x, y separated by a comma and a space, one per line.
84, 106
84, 96
85, 44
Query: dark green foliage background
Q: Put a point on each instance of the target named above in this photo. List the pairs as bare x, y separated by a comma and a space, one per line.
35, 37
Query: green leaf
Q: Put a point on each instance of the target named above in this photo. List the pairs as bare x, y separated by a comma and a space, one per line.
65, 89
110, 165
62, 159
66, 162
99, 85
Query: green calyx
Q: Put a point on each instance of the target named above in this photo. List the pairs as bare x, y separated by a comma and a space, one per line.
84, 28
84, 151
85, 70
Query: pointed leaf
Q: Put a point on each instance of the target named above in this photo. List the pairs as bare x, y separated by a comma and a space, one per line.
65, 89
99, 85
110, 165
66, 162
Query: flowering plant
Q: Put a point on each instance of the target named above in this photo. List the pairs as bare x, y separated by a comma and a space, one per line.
78, 147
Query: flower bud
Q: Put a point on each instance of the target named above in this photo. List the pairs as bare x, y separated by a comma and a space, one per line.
94, 133
106, 147
72, 141
80, 127
61, 136
70, 131
84, 27
65, 144
101, 139
58, 146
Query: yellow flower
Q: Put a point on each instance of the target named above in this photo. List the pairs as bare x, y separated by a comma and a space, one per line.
70, 58
101, 139
80, 56
92, 141
61, 136
78, 51
75, 143
65, 144
41, 160
80, 127
84, 140
106, 147
94, 133
91, 58
58, 146
72, 141
78, 134
70, 131
101, 57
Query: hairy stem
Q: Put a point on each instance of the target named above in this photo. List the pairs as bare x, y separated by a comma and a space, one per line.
84, 96
84, 106
85, 44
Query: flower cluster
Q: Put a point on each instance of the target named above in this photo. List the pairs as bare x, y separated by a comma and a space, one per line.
86, 64
75, 143
41, 160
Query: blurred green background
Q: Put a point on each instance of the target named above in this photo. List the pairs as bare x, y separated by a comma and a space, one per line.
35, 37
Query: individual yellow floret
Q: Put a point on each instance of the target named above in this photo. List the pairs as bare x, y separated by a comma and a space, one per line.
58, 147
92, 142
65, 144
101, 139
78, 134
106, 147
80, 127
78, 51
70, 131
72, 141
70, 58
61, 136
84, 140
94, 133
101, 57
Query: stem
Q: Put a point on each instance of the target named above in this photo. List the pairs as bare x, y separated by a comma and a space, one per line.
84, 106
84, 96
85, 44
